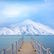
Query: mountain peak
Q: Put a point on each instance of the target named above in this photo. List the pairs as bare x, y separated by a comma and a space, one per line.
28, 21
27, 27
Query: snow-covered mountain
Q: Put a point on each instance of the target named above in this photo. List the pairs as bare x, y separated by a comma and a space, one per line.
27, 27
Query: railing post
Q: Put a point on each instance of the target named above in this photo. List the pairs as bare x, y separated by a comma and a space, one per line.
12, 48
0, 51
4, 50
16, 47
22, 39
37, 48
41, 52
48, 50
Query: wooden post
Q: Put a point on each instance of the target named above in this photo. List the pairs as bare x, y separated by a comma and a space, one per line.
37, 48
0, 51
36, 45
12, 48
4, 50
41, 52
22, 39
48, 50
16, 47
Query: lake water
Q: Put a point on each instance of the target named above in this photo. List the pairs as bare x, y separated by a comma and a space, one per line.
47, 41
6, 41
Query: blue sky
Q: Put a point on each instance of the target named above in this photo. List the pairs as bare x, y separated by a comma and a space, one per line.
13, 11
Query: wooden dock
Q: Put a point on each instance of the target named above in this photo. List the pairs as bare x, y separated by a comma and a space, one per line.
26, 49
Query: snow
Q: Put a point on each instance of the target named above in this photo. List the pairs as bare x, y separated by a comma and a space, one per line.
27, 27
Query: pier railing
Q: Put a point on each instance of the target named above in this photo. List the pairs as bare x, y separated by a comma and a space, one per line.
13, 49
40, 49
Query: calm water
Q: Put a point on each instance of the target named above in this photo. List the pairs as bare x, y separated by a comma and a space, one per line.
6, 41
47, 41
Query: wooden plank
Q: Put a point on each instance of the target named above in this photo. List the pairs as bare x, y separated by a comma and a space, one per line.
27, 49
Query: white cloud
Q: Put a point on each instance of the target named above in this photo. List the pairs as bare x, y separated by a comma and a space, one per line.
11, 12
16, 11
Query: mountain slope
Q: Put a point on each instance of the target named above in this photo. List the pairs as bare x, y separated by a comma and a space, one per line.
28, 27
32, 27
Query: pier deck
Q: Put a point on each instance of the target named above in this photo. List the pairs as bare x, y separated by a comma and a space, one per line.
27, 49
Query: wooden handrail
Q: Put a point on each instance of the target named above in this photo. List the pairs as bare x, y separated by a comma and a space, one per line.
17, 45
41, 47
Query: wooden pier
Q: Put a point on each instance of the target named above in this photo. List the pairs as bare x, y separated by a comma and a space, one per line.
22, 47
26, 49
